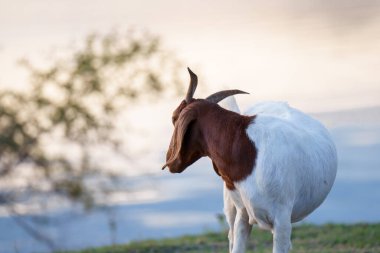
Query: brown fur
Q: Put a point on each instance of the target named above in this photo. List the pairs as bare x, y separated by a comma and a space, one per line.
203, 128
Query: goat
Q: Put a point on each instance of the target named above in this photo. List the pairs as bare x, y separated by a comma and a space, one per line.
277, 163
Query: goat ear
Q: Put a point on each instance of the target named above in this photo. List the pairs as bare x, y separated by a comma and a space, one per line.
178, 138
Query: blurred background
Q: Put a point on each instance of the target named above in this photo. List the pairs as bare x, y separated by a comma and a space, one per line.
87, 89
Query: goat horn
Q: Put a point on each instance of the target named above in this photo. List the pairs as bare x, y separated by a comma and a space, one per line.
192, 85
218, 96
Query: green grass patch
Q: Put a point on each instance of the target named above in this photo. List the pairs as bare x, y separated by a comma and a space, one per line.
330, 238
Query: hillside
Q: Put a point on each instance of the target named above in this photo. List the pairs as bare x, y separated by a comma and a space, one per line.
331, 238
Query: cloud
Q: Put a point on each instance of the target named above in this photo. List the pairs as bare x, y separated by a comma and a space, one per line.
177, 219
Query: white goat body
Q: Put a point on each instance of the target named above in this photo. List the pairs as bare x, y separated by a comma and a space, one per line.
294, 171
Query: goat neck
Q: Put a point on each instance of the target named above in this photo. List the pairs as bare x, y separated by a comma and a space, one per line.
226, 142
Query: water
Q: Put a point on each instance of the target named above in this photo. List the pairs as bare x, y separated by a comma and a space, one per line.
189, 202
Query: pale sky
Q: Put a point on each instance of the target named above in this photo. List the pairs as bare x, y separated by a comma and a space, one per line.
317, 55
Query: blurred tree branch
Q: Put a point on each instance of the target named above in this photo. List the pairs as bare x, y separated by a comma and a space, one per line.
75, 104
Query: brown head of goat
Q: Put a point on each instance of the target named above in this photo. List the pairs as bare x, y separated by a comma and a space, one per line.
203, 128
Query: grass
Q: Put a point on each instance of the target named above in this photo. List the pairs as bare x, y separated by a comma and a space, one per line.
358, 238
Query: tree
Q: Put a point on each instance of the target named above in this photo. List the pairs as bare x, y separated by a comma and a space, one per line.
49, 133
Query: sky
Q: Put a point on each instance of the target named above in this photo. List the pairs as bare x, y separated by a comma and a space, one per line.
317, 55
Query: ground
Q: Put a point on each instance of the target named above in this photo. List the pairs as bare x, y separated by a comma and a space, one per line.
331, 238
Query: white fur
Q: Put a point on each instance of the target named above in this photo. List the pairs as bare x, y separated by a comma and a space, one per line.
229, 103
295, 169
